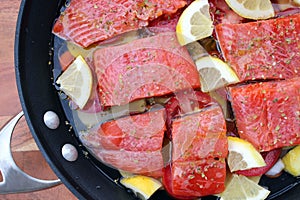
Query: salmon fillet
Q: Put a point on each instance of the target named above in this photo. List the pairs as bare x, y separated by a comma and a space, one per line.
268, 113
132, 143
264, 49
147, 67
86, 22
199, 135
198, 154
142, 132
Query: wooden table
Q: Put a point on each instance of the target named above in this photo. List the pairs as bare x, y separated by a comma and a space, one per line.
25, 151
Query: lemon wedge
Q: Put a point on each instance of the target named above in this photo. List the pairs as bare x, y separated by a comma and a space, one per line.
242, 188
76, 81
242, 155
142, 186
252, 9
291, 161
194, 23
214, 73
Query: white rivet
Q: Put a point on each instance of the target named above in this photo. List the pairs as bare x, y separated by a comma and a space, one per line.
69, 152
51, 120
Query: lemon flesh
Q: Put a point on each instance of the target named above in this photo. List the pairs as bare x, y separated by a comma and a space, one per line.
142, 186
76, 81
194, 23
242, 155
242, 188
252, 9
291, 161
214, 73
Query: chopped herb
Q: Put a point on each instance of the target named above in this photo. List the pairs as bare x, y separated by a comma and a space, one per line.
286, 98
191, 177
288, 40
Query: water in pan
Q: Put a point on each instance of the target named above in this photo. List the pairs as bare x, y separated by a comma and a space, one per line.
277, 186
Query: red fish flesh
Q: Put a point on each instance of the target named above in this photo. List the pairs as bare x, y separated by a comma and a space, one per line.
268, 113
264, 49
132, 143
199, 150
142, 132
147, 67
86, 22
199, 135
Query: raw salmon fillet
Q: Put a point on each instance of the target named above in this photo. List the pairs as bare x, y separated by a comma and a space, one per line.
147, 67
268, 113
86, 22
264, 49
199, 135
198, 153
132, 143
141, 132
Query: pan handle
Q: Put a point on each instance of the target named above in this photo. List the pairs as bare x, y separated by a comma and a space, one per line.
14, 179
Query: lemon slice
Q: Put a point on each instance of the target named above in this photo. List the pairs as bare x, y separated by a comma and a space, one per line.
242, 188
297, 2
142, 186
291, 161
194, 23
252, 9
214, 73
242, 155
76, 81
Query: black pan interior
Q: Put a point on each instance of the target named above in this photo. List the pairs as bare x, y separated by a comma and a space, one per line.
86, 177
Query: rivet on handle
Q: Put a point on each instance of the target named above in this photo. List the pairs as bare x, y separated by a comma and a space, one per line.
51, 120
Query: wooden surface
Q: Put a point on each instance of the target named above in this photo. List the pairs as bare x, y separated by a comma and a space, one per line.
25, 151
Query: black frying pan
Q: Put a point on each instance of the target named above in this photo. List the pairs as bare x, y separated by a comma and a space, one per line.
86, 177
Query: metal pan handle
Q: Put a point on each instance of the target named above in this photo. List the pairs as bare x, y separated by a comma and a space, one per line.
14, 179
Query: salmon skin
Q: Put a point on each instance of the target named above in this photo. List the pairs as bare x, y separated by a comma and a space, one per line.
132, 143
147, 67
198, 154
264, 49
86, 22
268, 113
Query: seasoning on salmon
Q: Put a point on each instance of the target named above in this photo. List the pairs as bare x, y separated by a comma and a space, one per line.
264, 49
268, 113
132, 143
147, 67
86, 22
199, 150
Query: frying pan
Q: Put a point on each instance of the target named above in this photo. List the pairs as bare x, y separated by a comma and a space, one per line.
86, 177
